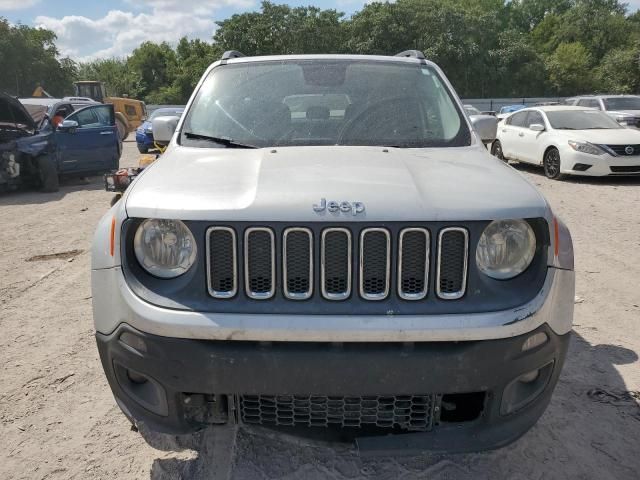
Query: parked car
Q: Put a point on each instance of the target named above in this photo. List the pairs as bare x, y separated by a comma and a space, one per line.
144, 133
625, 109
569, 140
33, 151
360, 274
507, 110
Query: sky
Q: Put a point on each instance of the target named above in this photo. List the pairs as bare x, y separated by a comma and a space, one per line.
90, 29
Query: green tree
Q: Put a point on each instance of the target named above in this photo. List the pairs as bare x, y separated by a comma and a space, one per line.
569, 69
281, 29
29, 58
119, 80
619, 71
155, 67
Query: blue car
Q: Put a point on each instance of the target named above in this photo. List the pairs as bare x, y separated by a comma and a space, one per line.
42, 139
144, 133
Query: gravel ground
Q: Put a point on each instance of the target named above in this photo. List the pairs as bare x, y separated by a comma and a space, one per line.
58, 419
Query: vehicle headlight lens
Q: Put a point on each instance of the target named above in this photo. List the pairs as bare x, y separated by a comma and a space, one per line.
585, 147
164, 248
505, 249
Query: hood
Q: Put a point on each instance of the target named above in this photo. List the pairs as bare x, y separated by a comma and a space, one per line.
618, 136
14, 113
283, 185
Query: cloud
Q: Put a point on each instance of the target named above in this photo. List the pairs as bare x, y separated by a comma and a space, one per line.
17, 4
119, 32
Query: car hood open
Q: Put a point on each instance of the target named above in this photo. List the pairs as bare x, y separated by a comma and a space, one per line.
283, 184
13, 112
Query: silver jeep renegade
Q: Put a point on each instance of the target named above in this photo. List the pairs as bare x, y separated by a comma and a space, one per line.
327, 248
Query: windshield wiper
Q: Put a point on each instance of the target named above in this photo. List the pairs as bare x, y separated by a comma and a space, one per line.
227, 142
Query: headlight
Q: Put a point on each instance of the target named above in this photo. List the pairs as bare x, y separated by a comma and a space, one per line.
505, 249
148, 130
585, 147
164, 248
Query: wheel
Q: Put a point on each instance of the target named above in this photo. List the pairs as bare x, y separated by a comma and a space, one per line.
143, 148
123, 132
48, 173
551, 163
496, 151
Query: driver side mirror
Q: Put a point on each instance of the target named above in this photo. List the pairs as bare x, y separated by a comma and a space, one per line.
68, 126
164, 128
537, 127
486, 126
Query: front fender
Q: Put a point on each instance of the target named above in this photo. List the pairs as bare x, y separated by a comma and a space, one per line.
105, 250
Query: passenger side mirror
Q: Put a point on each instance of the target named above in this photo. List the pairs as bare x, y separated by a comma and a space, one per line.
537, 127
486, 126
68, 126
164, 128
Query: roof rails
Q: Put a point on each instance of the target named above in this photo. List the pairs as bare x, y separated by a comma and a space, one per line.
232, 54
411, 53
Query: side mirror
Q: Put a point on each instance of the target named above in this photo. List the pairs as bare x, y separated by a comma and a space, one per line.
164, 128
537, 127
486, 126
68, 126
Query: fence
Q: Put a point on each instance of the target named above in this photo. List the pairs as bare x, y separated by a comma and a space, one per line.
494, 104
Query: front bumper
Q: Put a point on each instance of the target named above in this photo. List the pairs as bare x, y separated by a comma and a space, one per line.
599, 165
189, 384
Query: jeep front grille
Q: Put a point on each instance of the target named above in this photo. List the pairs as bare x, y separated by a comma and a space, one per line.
408, 412
336, 263
259, 262
299, 263
453, 246
223, 262
413, 263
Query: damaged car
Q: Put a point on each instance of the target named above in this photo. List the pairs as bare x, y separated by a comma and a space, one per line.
34, 152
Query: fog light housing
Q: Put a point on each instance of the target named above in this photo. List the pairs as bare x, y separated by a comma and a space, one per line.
525, 389
534, 341
581, 167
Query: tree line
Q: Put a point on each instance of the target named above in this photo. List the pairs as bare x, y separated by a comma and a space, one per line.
487, 48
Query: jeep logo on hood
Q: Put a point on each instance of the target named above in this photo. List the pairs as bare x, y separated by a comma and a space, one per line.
335, 207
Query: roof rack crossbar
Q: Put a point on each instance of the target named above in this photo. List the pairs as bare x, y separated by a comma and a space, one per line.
232, 54
411, 53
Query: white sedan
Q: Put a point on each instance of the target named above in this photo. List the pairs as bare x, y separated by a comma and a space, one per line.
569, 140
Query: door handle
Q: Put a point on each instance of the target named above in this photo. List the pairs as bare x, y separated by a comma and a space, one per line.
521, 134
106, 133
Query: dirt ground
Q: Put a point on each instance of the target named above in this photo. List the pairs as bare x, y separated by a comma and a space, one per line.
58, 419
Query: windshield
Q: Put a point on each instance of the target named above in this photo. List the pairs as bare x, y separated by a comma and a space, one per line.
581, 120
622, 103
167, 112
324, 102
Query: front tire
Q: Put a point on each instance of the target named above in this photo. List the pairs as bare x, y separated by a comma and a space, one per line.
496, 151
48, 173
551, 164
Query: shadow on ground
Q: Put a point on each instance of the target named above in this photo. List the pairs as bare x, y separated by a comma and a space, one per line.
590, 430
32, 196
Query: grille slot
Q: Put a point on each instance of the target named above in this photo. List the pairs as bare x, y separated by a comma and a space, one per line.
413, 263
453, 247
375, 260
298, 263
335, 259
409, 412
259, 263
222, 259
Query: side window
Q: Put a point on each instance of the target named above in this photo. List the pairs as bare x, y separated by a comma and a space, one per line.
519, 119
93, 117
534, 117
130, 110
589, 103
